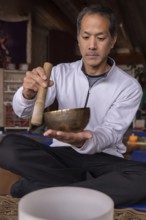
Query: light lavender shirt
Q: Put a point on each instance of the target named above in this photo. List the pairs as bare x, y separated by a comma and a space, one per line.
113, 101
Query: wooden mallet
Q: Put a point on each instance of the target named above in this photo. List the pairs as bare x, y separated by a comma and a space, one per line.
38, 111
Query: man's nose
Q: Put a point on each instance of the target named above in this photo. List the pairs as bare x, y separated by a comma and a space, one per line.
92, 43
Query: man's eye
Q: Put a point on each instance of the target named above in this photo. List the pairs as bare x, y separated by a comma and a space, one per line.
101, 39
85, 37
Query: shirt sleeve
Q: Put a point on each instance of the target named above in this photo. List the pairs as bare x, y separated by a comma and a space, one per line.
21, 106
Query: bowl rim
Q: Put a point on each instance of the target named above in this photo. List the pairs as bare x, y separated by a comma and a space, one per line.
68, 109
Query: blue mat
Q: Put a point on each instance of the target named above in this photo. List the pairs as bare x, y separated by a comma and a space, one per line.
41, 138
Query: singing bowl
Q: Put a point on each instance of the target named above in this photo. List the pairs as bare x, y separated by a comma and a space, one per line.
71, 120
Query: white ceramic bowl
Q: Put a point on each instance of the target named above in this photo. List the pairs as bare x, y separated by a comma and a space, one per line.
66, 203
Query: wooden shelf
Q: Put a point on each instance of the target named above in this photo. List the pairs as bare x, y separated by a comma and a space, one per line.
131, 146
17, 128
10, 81
14, 71
10, 92
137, 143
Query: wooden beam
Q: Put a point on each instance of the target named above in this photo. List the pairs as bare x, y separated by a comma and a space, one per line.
70, 8
128, 59
53, 17
134, 23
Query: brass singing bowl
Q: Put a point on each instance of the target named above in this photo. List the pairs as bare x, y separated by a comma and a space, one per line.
71, 120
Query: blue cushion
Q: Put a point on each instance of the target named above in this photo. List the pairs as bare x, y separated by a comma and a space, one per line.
141, 207
139, 155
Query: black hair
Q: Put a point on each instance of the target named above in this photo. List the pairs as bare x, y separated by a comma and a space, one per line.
102, 10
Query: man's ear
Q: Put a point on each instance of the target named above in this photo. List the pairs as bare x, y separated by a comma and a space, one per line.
114, 39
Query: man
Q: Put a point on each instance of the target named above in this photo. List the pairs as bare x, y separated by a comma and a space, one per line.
92, 158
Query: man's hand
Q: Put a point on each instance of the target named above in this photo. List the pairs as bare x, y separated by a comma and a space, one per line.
75, 139
33, 80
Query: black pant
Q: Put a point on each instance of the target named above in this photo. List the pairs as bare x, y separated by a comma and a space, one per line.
43, 166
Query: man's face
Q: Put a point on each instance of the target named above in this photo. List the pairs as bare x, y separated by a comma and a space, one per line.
95, 41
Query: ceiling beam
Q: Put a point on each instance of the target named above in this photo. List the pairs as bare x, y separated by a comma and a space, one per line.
134, 24
70, 8
52, 16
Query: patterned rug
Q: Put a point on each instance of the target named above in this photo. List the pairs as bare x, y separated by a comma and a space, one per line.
8, 208
9, 211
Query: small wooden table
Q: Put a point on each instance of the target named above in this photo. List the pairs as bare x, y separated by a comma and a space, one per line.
131, 146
